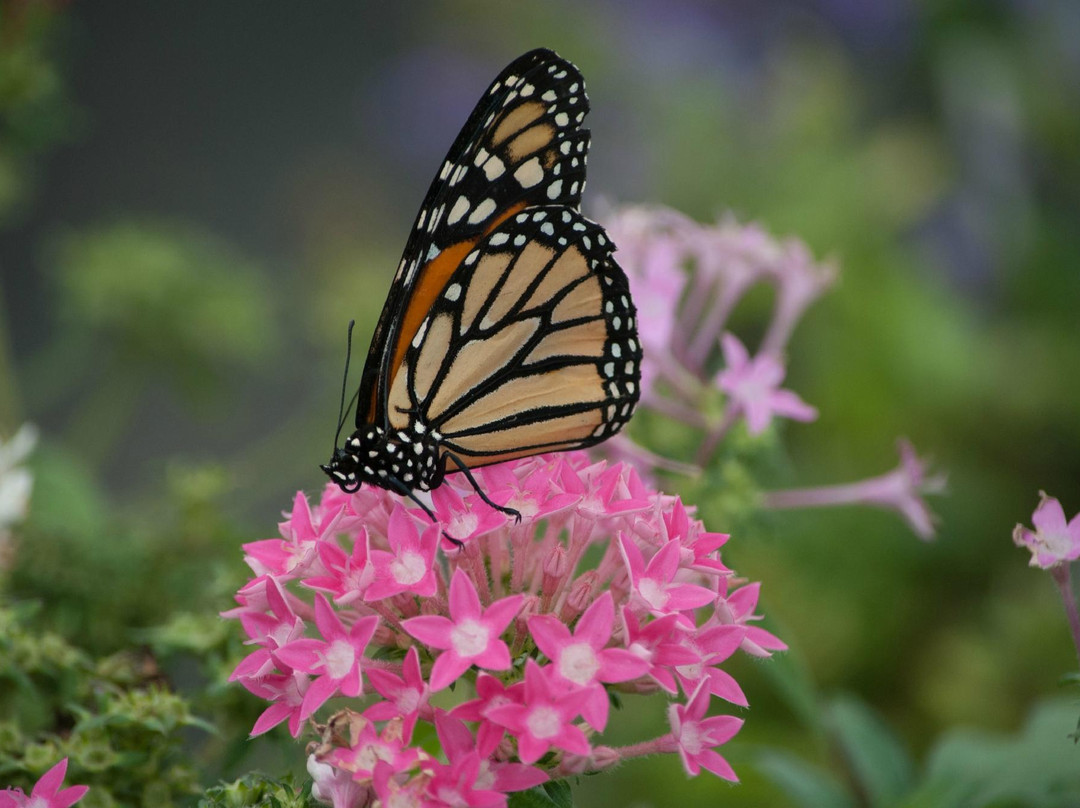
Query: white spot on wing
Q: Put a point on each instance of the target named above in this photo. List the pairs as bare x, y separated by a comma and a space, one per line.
554, 189
461, 207
420, 334
453, 292
529, 173
494, 168
482, 211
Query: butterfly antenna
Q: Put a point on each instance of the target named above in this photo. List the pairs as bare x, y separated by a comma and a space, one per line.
344, 385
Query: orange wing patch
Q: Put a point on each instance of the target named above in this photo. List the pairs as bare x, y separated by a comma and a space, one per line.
434, 276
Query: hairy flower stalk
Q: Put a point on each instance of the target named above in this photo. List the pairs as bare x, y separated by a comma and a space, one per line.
510, 648
901, 490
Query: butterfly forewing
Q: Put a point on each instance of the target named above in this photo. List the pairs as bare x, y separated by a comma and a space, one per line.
530, 347
521, 147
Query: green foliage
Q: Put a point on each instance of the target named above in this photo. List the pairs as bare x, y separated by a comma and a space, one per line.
964, 769
257, 791
555, 794
169, 299
121, 727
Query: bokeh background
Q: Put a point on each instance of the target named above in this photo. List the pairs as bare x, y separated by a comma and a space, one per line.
195, 199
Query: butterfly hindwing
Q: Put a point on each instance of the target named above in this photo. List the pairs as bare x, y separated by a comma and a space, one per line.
530, 347
522, 146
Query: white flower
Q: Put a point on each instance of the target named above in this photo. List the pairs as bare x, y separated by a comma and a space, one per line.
15, 482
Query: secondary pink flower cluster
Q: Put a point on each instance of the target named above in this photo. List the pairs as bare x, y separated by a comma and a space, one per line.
47, 792
510, 646
687, 278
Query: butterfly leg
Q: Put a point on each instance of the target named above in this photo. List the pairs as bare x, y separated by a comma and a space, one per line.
476, 486
405, 491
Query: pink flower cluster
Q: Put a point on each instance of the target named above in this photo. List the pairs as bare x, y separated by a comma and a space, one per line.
510, 646
687, 278
47, 792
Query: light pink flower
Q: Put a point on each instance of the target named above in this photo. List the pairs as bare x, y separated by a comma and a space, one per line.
46, 793
753, 385
458, 744
1054, 540
582, 659
406, 695
901, 490
491, 693
348, 575
545, 717
470, 636
409, 565
737, 608
335, 787
286, 693
335, 660
655, 584
695, 735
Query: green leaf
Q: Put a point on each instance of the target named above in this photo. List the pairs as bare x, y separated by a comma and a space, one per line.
878, 761
807, 785
554, 794
1039, 766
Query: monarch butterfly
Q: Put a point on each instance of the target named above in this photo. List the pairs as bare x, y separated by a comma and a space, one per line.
509, 330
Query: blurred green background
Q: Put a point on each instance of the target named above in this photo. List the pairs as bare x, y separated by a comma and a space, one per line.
196, 198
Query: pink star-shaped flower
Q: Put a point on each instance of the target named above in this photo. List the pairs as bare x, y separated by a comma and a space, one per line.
286, 693
409, 566
753, 386
46, 792
1054, 540
464, 518
695, 735
490, 694
406, 695
738, 608
659, 644
582, 660
347, 576
296, 553
712, 645
335, 660
470, 636
654, 584
545, 717
458, 744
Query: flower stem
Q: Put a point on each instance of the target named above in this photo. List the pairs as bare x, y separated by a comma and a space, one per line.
1063, 578
844, 494
715, 435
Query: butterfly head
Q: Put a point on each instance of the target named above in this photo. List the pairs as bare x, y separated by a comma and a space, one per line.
391, 460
